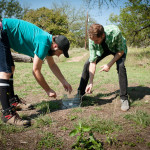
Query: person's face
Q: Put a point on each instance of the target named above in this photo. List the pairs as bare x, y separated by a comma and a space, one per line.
56, 52
97, 40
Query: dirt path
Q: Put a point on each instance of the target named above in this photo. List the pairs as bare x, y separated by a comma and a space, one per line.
77, 59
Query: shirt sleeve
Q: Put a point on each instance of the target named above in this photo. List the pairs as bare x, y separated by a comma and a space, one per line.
41, 50
121, 43
93, 49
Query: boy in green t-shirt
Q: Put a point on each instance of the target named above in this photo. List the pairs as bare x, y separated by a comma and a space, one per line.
26, 38
105, 41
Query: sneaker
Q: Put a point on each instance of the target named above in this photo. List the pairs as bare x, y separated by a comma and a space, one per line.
20, 104
11, 117
124, 105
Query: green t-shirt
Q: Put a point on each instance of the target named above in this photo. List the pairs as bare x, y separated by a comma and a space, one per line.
27, 38
114, 40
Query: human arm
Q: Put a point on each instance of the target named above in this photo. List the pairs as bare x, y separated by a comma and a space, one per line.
55, 69
107, 67
37, 64
92, 69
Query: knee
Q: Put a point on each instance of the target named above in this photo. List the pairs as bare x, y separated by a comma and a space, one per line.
4, 75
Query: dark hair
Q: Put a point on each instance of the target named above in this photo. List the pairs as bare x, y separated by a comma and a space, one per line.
96, 30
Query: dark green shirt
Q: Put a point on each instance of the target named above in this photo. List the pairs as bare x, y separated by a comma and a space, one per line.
114, 39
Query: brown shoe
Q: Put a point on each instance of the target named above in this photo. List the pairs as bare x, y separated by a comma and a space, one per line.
11, 117
20, 104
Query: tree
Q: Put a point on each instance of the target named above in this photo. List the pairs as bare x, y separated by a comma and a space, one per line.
49, 20
99, 3
134, 22
76, 22
11, 8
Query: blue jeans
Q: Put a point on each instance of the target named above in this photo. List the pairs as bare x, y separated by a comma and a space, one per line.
123, 83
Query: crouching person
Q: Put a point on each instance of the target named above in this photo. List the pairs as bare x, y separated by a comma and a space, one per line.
26, 38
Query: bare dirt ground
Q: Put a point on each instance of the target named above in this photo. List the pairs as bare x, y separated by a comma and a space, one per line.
130, 138
109, 108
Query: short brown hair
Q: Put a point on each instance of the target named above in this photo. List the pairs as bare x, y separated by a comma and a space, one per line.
96, 30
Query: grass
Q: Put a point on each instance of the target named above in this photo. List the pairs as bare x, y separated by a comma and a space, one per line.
49, 141
95, 109
103, 125
140, 118
42, 121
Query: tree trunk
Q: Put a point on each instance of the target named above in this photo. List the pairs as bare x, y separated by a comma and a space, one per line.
21, 58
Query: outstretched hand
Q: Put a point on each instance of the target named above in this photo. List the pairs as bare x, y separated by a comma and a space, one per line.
105, 68
51, 93
88, 89
67, 87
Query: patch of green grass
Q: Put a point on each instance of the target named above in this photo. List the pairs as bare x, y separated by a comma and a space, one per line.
137, 103
42, 121
64, 128
50, 141
47, 107
148, 144
73, 117
2, 139
111, 139
140, 118
10, 128
98, 108
131, 144
102, 125
76, 110
139, 139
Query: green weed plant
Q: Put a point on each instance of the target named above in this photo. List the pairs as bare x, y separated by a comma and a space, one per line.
85, 142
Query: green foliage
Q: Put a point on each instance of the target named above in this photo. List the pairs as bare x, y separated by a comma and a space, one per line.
11, 8
140, 118
50, 142
49, 20
83, 142
134, 22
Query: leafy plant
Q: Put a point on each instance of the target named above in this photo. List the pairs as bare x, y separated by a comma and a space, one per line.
84, 142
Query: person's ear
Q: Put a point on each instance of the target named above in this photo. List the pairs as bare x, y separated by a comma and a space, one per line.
103, 36
54, 46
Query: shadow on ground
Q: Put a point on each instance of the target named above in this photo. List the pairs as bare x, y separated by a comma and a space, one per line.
135, 94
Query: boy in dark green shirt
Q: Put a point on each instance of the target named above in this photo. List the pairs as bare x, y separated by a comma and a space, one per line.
30, 40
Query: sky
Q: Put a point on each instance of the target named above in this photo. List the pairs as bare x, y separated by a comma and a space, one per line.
101, 16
